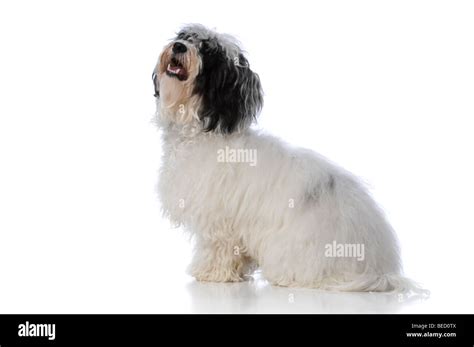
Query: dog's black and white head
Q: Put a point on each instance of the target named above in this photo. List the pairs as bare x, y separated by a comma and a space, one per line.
203, 75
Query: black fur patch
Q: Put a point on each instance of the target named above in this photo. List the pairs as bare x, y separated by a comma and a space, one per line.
231, 92
314, 193
154, 77
331, 182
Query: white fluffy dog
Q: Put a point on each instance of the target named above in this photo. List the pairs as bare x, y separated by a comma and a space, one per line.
250, 200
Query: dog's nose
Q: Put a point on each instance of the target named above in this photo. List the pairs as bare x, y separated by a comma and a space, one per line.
178, 47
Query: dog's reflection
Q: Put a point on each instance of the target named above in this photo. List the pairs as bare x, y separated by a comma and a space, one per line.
257, 296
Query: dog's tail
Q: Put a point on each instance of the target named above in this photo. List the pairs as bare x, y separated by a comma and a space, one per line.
379, 283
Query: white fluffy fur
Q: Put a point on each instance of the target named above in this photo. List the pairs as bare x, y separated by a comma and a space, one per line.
278, 215
229, 205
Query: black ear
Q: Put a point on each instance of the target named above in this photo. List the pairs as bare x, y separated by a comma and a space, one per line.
231, 93
154, 77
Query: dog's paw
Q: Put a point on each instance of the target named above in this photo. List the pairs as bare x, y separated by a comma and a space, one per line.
217, 276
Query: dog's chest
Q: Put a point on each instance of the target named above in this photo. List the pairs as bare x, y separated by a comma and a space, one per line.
192, 176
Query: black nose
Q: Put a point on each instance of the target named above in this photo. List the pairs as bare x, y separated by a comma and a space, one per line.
178, 47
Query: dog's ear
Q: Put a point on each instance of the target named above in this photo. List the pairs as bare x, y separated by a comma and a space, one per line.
156, 84
231, 93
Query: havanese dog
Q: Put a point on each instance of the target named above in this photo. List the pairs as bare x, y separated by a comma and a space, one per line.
249, 200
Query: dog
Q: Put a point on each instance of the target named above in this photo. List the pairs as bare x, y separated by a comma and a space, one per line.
249, 200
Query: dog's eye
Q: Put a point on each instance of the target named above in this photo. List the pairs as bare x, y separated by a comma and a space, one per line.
204, 45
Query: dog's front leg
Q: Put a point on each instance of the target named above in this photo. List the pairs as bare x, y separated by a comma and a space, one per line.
217, 261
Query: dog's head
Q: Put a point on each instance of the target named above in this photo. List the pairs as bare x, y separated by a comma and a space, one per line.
204, 75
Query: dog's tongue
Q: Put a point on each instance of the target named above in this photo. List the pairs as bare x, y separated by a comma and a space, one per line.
174, 69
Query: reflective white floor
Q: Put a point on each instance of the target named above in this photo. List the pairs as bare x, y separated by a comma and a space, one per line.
258, 296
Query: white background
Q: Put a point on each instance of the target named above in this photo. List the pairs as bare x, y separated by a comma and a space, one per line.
384, 88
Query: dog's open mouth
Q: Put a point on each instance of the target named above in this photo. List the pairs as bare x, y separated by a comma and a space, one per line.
176, 69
